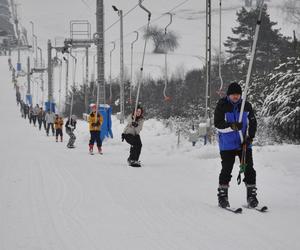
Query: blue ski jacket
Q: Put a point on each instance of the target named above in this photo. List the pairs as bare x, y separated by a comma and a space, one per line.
227, 112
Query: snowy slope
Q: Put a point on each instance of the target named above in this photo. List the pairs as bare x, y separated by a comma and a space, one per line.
54, 198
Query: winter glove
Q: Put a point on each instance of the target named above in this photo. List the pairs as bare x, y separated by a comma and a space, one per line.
236, 126
134, 124
248, 140
93, 124
123, 137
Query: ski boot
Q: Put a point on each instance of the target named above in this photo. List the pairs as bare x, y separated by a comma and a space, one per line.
251, 196
91, 149
223, 196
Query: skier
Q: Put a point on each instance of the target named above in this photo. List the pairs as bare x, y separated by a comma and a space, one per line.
59, 122
131, 134
41, 118
226, 121
95, 124
70, 127
50, 118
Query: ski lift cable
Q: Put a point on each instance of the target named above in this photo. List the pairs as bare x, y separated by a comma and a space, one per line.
244, 96
166, 58
143, 59
220, 48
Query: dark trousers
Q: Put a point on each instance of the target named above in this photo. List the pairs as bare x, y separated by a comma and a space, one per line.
95, 137
59, 132
30, 117
72, 138
48, 128
228, 158
34, 119
136, 146
40, 121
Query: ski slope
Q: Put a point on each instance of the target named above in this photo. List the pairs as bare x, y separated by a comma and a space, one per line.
59, 199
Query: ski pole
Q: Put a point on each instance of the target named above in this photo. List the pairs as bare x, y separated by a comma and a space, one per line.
244, 96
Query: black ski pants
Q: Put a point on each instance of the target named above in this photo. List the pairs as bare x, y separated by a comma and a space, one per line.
41, 122
228, 159
59, 132
136, 146
95, 137
48, 128
34, 119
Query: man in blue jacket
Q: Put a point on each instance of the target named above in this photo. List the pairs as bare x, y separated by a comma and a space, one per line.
226, 119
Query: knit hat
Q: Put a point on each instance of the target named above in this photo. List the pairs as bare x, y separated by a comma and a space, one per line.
234, 88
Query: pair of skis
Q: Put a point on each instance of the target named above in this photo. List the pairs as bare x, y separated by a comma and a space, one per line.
239, 210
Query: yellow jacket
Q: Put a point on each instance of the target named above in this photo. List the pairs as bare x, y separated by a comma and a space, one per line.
58, 123
95, 123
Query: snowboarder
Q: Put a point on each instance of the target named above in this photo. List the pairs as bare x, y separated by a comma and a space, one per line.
226, 121
131, 134
59, 122
50, 118
95, 124
70, 127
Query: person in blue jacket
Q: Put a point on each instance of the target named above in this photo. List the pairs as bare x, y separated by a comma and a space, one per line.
226, 120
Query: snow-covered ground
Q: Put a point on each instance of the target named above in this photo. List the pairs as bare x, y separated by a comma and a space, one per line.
55, 198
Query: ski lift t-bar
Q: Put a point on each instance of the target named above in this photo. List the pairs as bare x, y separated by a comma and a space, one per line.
171, 20
144, 52
145, 9
244, 96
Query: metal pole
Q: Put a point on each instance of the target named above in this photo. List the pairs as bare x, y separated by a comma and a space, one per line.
208, 66
122, 101
100, 52
42, 75
74, 83
67, 79
28, 76
166, 58
131, 67
143, 60
244, 96
220, 47
59, 88
86, 101
18, 33
32, 29
50, 75
110, 74
36, 53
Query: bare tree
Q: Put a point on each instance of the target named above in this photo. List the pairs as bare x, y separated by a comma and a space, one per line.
163, 43
292, 10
